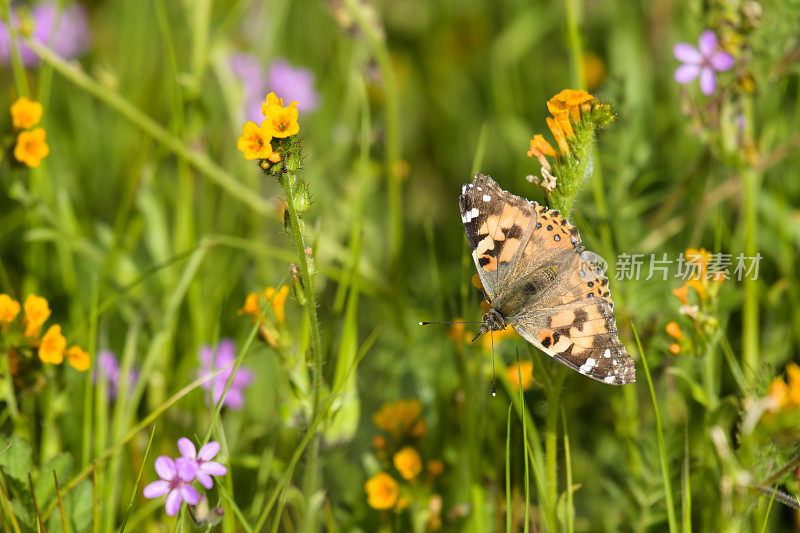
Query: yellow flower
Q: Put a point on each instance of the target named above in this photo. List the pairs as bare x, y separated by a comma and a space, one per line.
569, 102
525, 370
778, 394
271, 105
435, 467
408, 462
673, 330
51, 349
559, 134
250, 306
255, 141
399, 417
674, 348
284, 121
699, 259
382, 491
78, 358
793, 374
278, 301
9, 308
592, 69
31, 148
26, 113
36, 313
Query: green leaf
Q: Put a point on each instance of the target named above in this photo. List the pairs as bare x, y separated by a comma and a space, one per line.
18, 459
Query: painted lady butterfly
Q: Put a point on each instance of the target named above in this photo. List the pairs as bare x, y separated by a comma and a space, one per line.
540, 281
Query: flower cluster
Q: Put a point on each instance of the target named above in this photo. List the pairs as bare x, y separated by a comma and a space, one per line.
576, 115
279, 123
223, 358
398, 451
701, 307
178, 475
270, 330
25, 340
30, 147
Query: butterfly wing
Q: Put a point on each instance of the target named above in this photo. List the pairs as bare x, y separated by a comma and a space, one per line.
537, 274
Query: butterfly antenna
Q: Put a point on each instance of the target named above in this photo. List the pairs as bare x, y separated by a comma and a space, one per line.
448, 322
494, 376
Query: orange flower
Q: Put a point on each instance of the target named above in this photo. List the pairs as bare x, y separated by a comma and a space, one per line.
435, 467
255, 141
31, 147
408, 462
250, 306
499, 336
78, 358
278, 301
9, 308
399, 417
539, 146
592, 69
674, 330
682, 293
559, 134
51, 349
674, 348
778, 394
525, 370
793, 375
26, 113
379, 441
569, 102
382, 491
699, 259
37, 311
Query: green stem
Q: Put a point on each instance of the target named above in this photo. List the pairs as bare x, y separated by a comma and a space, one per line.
750, 355
20, 79
572, 9
311, 479
551, 439
391, 114
197, 159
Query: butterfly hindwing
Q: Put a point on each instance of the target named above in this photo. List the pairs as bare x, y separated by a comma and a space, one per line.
538, 276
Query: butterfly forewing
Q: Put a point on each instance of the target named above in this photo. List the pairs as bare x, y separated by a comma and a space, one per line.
536, 273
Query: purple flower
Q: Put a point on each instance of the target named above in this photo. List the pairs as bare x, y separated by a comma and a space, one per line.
293, 84
67, 34
176, 482
108, 369
204, 466
224, 358
703, 61
287, 82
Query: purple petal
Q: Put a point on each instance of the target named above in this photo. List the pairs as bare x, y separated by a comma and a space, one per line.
234, 399
226, 353
186, 468
156, 489
165, 468
708, 81
206, 357
173, 503
242, 378
187, 448
205, 480
209, 451
189, 494
292, 83
707, 43
686, 73
721, 61
212, 468
687, 53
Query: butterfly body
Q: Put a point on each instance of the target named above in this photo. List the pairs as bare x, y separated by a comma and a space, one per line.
540, 281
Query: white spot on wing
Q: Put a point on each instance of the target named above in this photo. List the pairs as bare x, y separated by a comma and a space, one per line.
609, 379
486, 197
474, 212
607, 353
588, 366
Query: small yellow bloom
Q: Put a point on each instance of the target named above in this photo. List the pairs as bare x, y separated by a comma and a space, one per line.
593, 70
699, 286
37, 311
9, 308
674, 348
271, 105
250, 306
525, 370
275, 157
435, 467
382, 491
476, 281
408, 462
379, 441
456, 332
419, 429
255, 141
284, 121
31, 147
699, 260
569, 102
673, 330
51, 349
26, 113
559, 134
539, 146
278, 301
78, 358
793, 374
399, 417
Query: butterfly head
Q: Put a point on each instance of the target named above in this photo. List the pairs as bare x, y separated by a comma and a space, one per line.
493, 320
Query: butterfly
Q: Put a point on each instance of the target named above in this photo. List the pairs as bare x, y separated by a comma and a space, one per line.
540, 281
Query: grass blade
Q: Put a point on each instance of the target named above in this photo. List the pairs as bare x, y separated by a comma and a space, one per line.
138, 480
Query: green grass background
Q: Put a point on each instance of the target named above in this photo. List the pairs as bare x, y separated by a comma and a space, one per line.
132, 231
